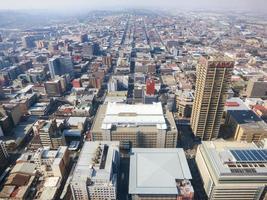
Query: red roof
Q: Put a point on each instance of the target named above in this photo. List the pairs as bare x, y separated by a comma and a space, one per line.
232, 104
260, 108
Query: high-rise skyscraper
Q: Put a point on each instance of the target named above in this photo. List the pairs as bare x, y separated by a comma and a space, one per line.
87, 50
84, 38
28, 41
213, 76
60, 66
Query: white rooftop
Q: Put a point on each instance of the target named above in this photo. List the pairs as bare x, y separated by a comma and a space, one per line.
52, 182
86, 168
74, 121
220, 154
134, 115
154, 171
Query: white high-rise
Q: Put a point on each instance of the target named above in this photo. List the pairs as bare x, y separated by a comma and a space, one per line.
232, 170
95, 175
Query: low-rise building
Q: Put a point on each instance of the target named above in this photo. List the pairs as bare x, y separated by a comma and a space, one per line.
245, 125
20, 183
257, 88
52, 162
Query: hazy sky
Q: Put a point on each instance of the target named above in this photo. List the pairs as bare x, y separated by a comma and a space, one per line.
253, 5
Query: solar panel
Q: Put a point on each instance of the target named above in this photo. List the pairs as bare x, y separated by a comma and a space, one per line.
250, 155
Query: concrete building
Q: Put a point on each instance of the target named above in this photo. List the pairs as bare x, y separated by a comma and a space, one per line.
232, 170
40, 109
87, 50
60, 66
28, 41
37, 74
117, 96
48, 133
245, 125
20, 182
84, 38
12, 110
118, 83
53, 88
142, 125
3, 155
52, 162
107, 60
95, 175
159, 174
184, 103
6, 125
149, 99
212, 84
257, 88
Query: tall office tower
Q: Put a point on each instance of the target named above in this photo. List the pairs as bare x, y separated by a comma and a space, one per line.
1, 39
84, 38
87, 50
60, 66
232, 170
28, 41
95, 174
3, 155
213, 76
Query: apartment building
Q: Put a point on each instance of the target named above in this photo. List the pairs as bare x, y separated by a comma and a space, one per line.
212, 84
95, 175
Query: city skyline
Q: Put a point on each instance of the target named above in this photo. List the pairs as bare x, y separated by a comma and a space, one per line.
71, 5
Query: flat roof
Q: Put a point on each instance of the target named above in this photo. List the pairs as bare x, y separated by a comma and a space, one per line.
24, 168
225, 156
155, 170
235, 104
86, 168
52, 182
74, 121
133, 115
248, 118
